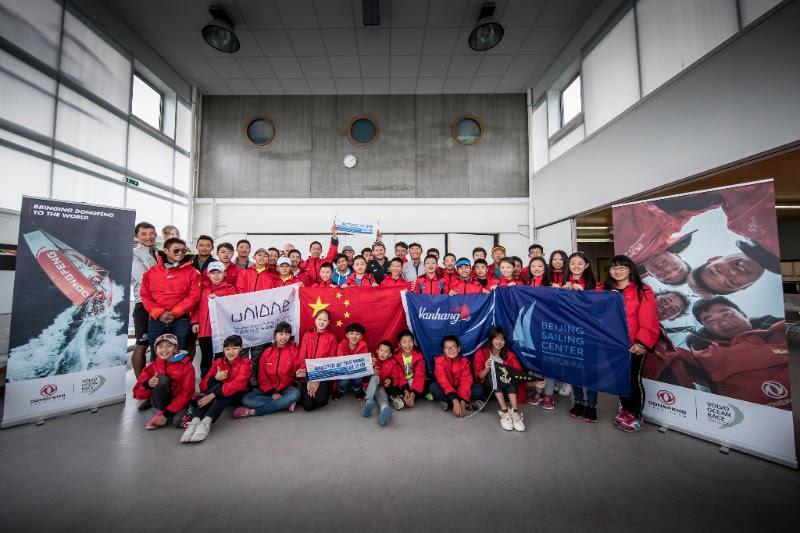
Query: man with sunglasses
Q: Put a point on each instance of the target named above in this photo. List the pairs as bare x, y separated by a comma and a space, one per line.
170, 291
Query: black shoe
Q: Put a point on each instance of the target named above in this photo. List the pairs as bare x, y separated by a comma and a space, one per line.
576, 411
360, 394
336, 394
145, 405
590, 415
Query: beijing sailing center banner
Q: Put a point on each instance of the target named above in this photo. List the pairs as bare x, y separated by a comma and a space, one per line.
69, 322
721, 368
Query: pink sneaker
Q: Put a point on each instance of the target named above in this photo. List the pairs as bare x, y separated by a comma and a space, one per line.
536, 399
241, 412
621, 416
185, 419
548, 403
151, 424
292, 407
629, 423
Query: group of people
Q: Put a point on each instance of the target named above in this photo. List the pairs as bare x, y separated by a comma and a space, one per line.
172, 288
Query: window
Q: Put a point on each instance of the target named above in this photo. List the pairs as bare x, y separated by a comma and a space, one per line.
148, 103
362, 130
467, 130
260, 131
571, 104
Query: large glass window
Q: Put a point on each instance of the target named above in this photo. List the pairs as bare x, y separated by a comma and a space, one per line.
73, 185
147, 103
150, 157
571, 105
33, 26
27, 97
22, 174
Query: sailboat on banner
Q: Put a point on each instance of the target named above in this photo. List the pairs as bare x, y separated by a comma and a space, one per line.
522, 331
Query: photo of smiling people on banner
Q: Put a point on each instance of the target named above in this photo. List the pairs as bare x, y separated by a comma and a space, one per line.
713, 260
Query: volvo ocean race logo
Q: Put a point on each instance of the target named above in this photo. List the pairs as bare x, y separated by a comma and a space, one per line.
666, 397
452, 316
92, 384
723, 414
774, 390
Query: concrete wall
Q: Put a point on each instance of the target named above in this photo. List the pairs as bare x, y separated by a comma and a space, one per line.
414, 156
739, 101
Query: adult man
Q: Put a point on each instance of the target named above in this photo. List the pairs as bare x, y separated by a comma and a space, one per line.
272, 259
366, 253
479, 252
401, 250
257, 277
413, 268
144, 257
299, 273
734, 272
314, 261
671, 305
201, 260
225, 255
288, 247
349, 253
379, 265
170, 291
243, 260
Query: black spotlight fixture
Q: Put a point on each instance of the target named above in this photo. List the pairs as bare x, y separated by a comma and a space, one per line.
219, 32
487, 32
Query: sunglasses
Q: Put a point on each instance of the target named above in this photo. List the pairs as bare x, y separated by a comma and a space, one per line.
178, 250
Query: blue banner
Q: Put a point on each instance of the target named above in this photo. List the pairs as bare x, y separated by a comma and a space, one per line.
431, 318
354, 229
578, 337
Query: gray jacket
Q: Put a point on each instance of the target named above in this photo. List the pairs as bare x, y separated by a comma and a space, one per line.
142, 261
410, 273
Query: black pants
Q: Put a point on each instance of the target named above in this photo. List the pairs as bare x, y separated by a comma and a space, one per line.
162, 396
320, 399
216, 407
635, 402
207, 354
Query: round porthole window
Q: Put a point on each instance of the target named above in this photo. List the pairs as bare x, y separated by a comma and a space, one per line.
260, 131
467, 130
362, 130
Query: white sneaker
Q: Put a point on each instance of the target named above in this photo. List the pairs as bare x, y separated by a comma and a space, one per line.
505, 420
202, 431
516, 419
397, 402
190, 429
565, 389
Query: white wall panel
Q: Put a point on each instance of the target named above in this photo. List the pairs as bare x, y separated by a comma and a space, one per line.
22, 174
566, 142
74, 186
750, 10
539, 141
149, 156
558, 236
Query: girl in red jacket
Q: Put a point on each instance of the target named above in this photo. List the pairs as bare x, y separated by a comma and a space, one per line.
556, 268
643, 328
168, 382
413, 365
430, 282
276, 389
543, 394
496, 349
537, 272
216, 285
316, 343
224, 384
359, 277
388, 378
507, 273
454, 387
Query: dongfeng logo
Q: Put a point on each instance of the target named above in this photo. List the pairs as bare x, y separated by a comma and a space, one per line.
48, 390
666, 397
775, 390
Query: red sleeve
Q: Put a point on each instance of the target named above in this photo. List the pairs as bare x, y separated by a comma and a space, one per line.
188, 304
264, 380
186, 391
241, 282
203, 301
648, 320
341, 349
238, 380
441, 376
465, 383
478, 360
140, 390
397, 375
211, 373
148, 302
333, 250
418, 367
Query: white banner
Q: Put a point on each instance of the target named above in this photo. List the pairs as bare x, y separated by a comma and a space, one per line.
342, 367
253, 315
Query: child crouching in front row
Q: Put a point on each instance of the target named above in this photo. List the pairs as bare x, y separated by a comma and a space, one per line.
387, 380
224, 384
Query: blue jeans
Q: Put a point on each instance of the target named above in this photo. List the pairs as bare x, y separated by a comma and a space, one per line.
343, 384
591, 396
179, 327
476, 392
264, 404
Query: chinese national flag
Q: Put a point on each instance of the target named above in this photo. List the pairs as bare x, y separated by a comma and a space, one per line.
378, 309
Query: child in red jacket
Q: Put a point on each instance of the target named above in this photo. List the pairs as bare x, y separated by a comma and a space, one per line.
413, 365
325, 273
216, 284
507, 273
430, 282
168, 382
388, 377
454, 387
352, 344
464, 284
395, 277
316, 344
224, 384
276, 390
496, 349
359, 277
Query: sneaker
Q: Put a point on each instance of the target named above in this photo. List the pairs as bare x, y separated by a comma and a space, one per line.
397, 402
516, 419
548, 403
630, 424
241, 412
621, 416
590, 414
536, 399
187, 435
429, 397
369, 406
385, 415
151, 424
444, 405
185, 419
359, 394
292, 407
475, 405
565, 389
505, 420
576, 411
202, 431
337, 394
145, 405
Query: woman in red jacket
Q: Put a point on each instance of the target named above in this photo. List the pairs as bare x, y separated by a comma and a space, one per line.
216, 284
507, 273
276, 390
316, 343
496, 349
643, 328
224, 384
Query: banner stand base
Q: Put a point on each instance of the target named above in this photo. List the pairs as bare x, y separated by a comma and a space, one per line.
39, 421
724, 449
663, 429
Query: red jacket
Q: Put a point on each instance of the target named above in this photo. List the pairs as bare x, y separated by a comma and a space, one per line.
537, 282
326, 284
315, 345
311, 265
170, 289
344, 348
416, 369
490, 282
640, 311
750, 211
200, 316
525, 274
454, 376
366, 280
276, 368
251, 280
278, 282
426, 285
511, 361
581, 282
391, 370
388, 281
305, 278
503, 282
468, 286
557, 279
181, 381
238, 375
449, 277
232, 273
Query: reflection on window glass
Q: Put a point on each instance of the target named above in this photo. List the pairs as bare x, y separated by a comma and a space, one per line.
571, 101
467, 131
363, 130
261, 131
147, 102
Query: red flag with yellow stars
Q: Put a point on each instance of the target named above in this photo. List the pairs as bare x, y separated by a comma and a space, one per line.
378, 309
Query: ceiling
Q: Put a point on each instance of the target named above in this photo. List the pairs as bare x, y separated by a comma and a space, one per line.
321, 47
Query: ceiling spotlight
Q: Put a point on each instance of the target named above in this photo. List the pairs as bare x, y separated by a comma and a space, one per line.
487, 32
219, 32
